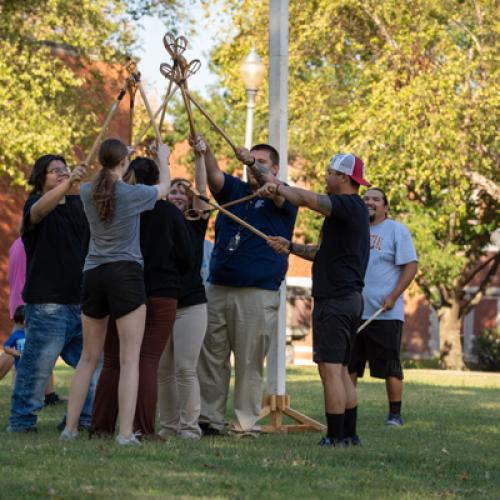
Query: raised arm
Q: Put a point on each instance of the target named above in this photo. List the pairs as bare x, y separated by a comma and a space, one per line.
299, 197
215, 175
52, 198
200, 175
163, 156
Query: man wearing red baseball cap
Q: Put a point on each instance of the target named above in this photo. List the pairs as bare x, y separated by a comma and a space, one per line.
340, 263
350, 165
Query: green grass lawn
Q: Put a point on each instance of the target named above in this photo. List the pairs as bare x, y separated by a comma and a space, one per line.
449, 447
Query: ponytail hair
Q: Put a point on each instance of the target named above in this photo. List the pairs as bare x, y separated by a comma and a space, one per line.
111, 153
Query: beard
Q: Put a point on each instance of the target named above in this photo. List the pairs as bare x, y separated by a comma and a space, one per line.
372, 218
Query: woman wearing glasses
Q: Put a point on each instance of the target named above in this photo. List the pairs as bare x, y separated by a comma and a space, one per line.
53, 231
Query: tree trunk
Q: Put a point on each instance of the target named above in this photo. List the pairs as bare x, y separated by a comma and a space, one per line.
450, 346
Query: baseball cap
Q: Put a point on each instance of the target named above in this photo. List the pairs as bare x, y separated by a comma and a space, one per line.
350, 165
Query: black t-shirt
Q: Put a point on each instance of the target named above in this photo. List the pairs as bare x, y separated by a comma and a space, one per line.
54, 252
340, 264
193, 291
166, 248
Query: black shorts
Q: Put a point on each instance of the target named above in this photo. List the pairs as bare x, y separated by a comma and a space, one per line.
335, 322
113, 289
379, 344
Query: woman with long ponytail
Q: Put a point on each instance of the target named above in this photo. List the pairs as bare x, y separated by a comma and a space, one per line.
113, 279
168, 257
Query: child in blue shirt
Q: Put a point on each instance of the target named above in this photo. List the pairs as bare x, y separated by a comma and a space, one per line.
14, 345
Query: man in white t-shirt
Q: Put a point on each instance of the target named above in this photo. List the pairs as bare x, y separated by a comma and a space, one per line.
391, 269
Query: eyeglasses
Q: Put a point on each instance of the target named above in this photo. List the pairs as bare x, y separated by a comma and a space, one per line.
58, 170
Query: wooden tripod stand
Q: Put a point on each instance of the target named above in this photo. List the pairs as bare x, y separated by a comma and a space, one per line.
276, 407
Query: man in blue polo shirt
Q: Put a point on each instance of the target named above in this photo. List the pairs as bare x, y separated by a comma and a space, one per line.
242, 293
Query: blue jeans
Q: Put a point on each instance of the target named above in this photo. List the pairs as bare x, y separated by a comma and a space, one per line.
52, 330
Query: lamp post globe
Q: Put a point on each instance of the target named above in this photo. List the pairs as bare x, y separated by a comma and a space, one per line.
252, 72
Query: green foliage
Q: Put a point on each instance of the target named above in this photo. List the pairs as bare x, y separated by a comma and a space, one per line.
487, 350
50, 84
411, 87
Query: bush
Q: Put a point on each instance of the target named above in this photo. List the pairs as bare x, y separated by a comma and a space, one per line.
487, 350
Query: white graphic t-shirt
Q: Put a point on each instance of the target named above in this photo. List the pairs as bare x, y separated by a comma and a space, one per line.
391, 247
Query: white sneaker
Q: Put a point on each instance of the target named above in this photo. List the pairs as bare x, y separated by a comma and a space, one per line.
67, 435
128, 441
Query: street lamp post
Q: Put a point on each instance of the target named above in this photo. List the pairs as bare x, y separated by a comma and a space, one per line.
252, 73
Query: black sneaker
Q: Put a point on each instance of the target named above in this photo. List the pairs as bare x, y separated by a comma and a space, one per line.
353, 441
207, 430
52, 399
335, 443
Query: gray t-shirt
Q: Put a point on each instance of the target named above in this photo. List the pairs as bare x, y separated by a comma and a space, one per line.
117, 240
391, 247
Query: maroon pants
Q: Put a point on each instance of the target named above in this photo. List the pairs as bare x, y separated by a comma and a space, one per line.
160, 318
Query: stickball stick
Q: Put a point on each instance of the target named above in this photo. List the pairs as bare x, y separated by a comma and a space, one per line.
194, 214
370, 319
111, 112
229, 214
212, 122
157, 112
132, 69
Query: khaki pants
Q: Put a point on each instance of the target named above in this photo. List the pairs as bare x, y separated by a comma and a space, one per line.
178, 388
241, 320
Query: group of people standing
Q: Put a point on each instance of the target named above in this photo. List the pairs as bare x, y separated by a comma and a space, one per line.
113, 280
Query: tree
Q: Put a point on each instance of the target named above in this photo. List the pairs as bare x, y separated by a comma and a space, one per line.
410, 86
50, 85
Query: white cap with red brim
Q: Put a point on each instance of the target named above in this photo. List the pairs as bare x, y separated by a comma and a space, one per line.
350, 165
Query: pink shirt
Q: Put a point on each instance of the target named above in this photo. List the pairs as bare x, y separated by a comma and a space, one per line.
16, 274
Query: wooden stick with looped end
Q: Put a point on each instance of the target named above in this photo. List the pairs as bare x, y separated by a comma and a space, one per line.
253, 166
112, 111
212, 122
163, 105
136, 76
243, 223
132, 90
370, 319
195, 214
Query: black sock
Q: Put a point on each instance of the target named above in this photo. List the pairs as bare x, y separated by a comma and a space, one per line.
395, 407
335, 423
351, 417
